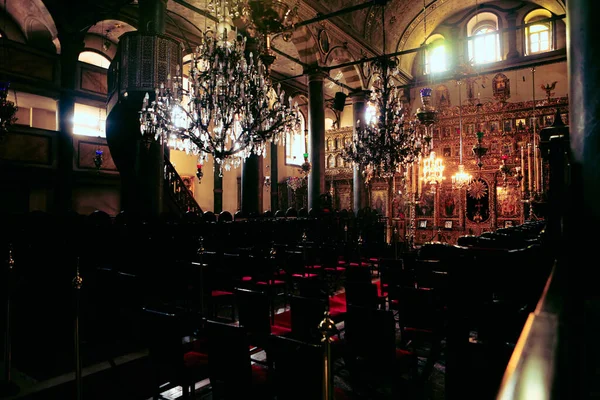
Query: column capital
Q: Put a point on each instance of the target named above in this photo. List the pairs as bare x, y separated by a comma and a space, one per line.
315, 74
359, 95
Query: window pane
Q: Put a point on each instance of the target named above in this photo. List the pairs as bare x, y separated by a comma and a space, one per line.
89, 121
437, 60
93, 58
295, 146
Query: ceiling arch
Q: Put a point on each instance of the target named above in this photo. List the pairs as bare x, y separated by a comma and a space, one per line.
35, 22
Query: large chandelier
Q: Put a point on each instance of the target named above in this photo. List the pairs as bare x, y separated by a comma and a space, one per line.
388, 140
461, 178
229, 108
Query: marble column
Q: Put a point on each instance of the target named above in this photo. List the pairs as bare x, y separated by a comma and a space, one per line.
512, 32
250, 186
359, 100
316, 127
71, 45
274, 178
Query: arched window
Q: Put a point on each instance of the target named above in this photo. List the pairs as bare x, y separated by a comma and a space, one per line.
539, 34
295, 144
483, 37
97, 59
436, 57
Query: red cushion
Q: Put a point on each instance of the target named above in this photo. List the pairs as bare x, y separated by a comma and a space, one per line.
259, 374
284, 319
200, 345
335, 269
194, 359
305, 275
279, 330
273, 282
216, 293
246, 278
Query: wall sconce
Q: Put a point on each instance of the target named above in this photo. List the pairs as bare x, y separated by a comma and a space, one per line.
199, 172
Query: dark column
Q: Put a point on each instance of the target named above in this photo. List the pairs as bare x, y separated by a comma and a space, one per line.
274, 178
72, 45
511, 19
358, 180
218, 192
316, 126
582, 211
250, 186
143, 61
152, 16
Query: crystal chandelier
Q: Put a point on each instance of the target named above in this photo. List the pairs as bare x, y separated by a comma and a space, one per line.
229, 108
388, 140
461, 178
433, 169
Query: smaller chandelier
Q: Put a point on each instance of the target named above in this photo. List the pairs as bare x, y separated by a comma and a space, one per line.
433, 169
199, 173
389, 140
461, 178
8, 110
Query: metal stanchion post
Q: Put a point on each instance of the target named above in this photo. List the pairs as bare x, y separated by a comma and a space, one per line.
201, 259
8, 386
77, 282
328, 329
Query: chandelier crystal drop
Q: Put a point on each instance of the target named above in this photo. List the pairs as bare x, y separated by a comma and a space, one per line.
461, 178
389, 140
229, 109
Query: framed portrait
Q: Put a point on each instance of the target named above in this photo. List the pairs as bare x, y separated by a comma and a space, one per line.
520, 124
494, 126
507, 125
448, 225
423, 223
188, 181
548, 120
470, 129
324, 41
481, 127
436, 133
508, 224
447, 132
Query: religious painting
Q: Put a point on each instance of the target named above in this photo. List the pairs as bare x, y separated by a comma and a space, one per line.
447, 152
447, 132
548, 120
478, 201
442, 96
448, 201
399, 207
339, 161
425, 204
501, 87
436, 133
331, 161
520, 124
344, 198
508, 202
329, 144
494, 147
507, 126
379, 199
494, 126
470, 129
423, 224
481, 127
447, 224
188, 181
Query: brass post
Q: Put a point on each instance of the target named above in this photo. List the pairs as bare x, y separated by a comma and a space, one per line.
328, 329
77, 282
8, 386
201, 259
